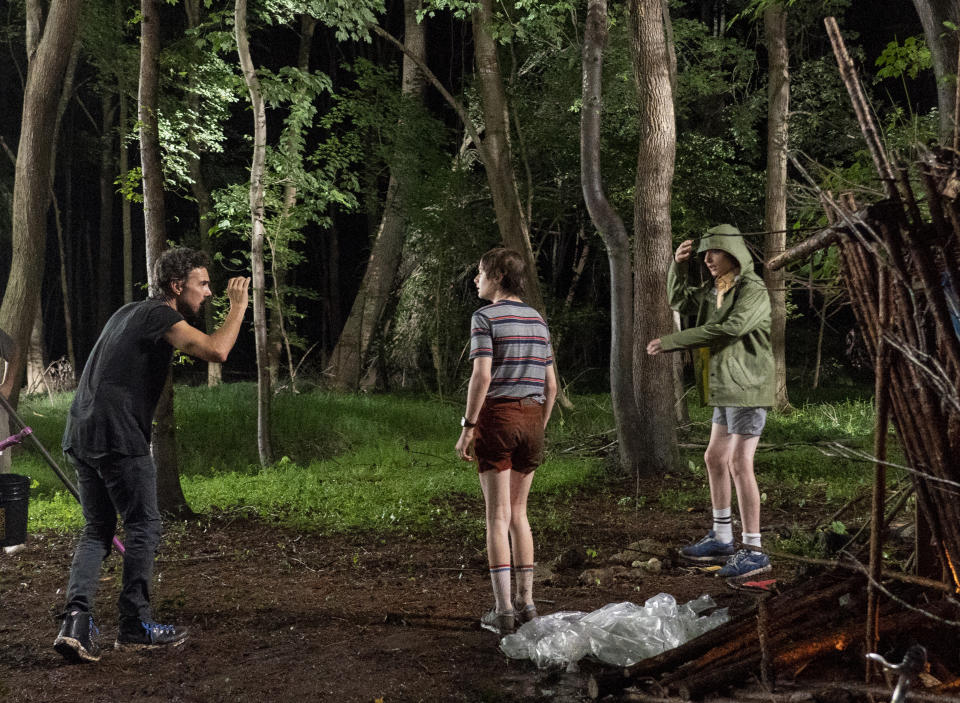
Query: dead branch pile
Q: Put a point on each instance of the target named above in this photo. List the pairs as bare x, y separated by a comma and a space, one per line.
777, 638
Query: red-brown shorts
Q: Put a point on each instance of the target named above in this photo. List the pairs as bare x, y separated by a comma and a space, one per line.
509, 435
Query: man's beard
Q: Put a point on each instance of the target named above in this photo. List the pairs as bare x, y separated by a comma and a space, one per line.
194, 317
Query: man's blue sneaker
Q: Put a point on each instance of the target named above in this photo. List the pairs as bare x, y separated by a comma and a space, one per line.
708, 549
745, 563
148, 635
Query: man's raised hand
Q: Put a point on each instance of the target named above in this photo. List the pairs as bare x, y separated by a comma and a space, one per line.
238, 292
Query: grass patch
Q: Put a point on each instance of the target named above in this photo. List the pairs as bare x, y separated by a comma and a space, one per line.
386, 462
344, 462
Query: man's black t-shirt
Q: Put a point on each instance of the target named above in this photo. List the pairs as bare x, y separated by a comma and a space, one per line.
121, 383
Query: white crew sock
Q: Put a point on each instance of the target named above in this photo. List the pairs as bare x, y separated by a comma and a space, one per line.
752, 539
722, 525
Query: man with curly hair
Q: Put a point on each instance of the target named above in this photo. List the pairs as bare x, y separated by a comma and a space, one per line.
107, 439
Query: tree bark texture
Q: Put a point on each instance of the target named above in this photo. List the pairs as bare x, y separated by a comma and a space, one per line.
170, 498
31, 189
944, 46
615, 239
257, 236
775, 216
201, 194
653, 248
350, 354
125, 214
105, 253
153, 206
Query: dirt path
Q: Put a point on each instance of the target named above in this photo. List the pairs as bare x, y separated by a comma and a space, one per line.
277, 615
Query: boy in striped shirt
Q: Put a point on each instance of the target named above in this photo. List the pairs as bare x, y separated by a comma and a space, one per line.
509, 399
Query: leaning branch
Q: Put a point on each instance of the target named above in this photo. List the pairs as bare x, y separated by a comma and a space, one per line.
435, 82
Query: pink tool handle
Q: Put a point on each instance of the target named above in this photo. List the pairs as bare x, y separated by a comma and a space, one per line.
16, 439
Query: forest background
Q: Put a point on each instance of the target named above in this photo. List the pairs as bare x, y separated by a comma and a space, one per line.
367, 146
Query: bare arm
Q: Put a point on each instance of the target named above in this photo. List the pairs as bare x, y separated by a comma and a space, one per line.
550, 393
216, 346
476, 393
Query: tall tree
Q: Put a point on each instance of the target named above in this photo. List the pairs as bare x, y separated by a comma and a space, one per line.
46, 67
775, 217
498, 160
940, 19
615, 239
170, 497
198, 184
257, 234
652, 234
350, 353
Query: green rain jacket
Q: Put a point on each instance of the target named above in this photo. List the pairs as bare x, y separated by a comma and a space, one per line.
736, 335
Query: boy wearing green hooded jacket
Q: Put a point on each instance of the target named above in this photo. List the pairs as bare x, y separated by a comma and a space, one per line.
732, 337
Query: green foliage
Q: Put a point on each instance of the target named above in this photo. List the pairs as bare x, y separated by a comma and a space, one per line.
348, 18
908, 59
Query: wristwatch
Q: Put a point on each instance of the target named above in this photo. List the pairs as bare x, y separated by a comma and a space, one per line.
464, 422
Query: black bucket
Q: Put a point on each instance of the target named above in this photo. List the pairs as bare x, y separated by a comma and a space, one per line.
14, 496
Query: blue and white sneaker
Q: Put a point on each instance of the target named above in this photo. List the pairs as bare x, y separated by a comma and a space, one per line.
148, 635
708, 549
745, 563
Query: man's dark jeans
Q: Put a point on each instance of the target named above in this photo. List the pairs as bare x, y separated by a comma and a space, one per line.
110, 485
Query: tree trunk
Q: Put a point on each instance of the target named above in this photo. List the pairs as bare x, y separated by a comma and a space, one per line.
35, 367
31, 189
944, 46
349, 355
257, 236
153, 205
170, 496
127, 226
108, 171
201, 194
775, 218
653, 247
514, 228
615, 239
65, 294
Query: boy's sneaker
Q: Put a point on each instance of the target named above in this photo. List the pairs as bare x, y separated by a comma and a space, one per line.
77, 639
500, 623
709, 548
523, 613
745, 563
148, 635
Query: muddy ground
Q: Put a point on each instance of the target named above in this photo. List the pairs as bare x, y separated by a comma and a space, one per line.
280, 615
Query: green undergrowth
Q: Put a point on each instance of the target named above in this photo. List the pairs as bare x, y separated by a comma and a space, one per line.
344, 462
387, 463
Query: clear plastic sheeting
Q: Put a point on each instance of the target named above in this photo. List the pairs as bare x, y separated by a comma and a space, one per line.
620, 634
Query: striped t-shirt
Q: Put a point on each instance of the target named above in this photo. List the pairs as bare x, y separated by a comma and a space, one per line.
517, 338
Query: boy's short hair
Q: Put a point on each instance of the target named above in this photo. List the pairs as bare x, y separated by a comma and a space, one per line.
175, 265
509, 266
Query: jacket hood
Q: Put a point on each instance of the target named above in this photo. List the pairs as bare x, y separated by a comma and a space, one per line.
728, 238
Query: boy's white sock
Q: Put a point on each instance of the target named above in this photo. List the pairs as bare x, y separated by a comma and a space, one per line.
753, 539
722, 525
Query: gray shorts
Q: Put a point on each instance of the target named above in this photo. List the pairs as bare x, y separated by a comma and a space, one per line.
748, 421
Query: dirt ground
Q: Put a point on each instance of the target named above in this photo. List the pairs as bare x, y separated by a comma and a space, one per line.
279, 615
